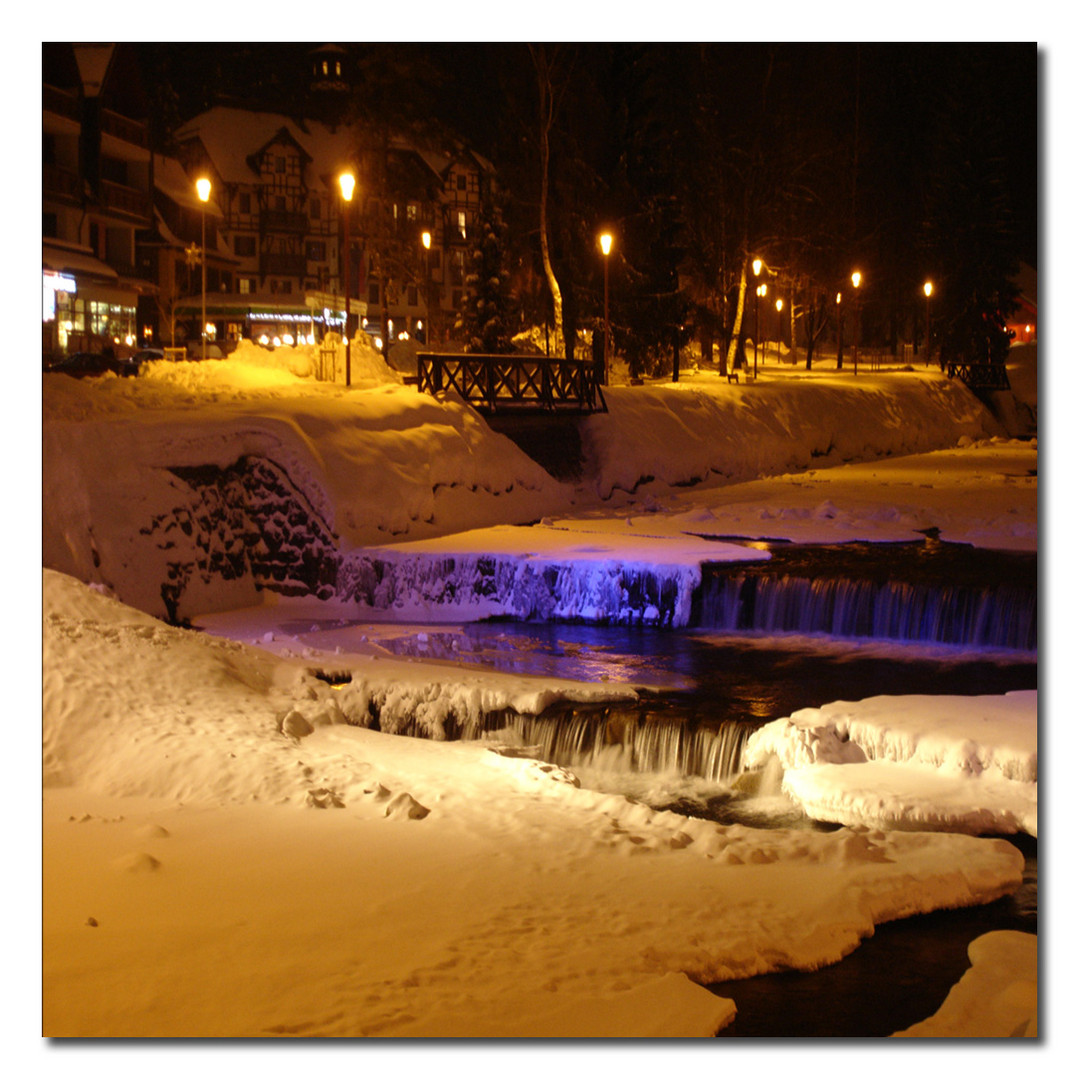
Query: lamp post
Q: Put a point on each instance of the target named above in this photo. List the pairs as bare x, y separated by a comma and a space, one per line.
605, 247
779, 326
202, 187
348, 184
856, 281
928, 288
757, 293
762, 290
425, 240
839, 331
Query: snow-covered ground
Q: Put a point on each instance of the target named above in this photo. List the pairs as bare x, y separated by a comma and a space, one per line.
193, 883
225, 856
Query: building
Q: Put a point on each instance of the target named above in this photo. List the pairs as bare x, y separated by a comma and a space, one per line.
275, 179
96, 183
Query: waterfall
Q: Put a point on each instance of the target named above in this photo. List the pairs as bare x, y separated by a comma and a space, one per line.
1000, 616
621, 739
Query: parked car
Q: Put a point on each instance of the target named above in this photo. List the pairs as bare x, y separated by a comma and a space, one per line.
82, 364
139, 358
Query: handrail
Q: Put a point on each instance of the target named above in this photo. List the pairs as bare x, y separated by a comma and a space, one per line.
489, 381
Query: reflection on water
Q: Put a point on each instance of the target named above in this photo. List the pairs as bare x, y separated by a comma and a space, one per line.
713, 679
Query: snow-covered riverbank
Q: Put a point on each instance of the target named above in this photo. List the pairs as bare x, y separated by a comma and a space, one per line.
224, 855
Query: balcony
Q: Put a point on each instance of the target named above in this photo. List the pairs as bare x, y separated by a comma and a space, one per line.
60, 102
124, 200
59, 183
130, 131
283, 221
282, 264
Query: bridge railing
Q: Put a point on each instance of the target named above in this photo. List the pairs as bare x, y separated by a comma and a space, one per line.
489, 382
984, 376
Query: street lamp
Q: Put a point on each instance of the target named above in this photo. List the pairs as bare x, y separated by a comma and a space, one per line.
757, 264
928, 288
839, 331
779, 326
425, 240
856, 281
348, 184
761, 290
202, 187
605, 247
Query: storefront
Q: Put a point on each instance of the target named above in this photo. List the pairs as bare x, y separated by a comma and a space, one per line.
85, 305
264, 319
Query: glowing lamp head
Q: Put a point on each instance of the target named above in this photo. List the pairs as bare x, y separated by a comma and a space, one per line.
605, 243
779, 305
202, 186
348, 185
928, 288
856, 279
425, 239
839, 297
757, 267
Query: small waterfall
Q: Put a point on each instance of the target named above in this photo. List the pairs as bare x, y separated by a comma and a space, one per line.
614, 739
1002, 616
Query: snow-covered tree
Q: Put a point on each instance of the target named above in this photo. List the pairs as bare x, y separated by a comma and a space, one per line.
486, 318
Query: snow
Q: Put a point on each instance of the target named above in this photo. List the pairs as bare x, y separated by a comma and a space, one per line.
969, 764
463, 888
188, 826
998, 995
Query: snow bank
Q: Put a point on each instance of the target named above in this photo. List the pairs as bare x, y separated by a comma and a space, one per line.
180, 501
193, 885
998, 997
685, 432
961, 763
197, 484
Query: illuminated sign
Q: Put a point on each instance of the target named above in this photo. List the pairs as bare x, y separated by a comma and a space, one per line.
51, 284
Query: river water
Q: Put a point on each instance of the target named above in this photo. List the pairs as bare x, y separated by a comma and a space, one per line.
678, 747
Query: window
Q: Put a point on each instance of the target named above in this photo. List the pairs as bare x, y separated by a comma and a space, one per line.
410, 212
286, 286
244, 246
243, 203
279, 203
462, 182
279, 164
246, 285
315, 210
316, 250
461, 223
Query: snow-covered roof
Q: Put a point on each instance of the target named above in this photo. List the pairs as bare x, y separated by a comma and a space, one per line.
73, 258
171, 179
230, 135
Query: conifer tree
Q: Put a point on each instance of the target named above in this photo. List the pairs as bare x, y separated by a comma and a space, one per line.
486, 317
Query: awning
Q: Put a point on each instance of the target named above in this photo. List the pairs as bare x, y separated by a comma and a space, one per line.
77, 263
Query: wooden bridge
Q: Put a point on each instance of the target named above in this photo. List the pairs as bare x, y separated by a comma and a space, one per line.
984, 376
519, 384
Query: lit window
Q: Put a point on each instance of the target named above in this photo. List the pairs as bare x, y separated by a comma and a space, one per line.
337, 67
325, 68
461, 223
